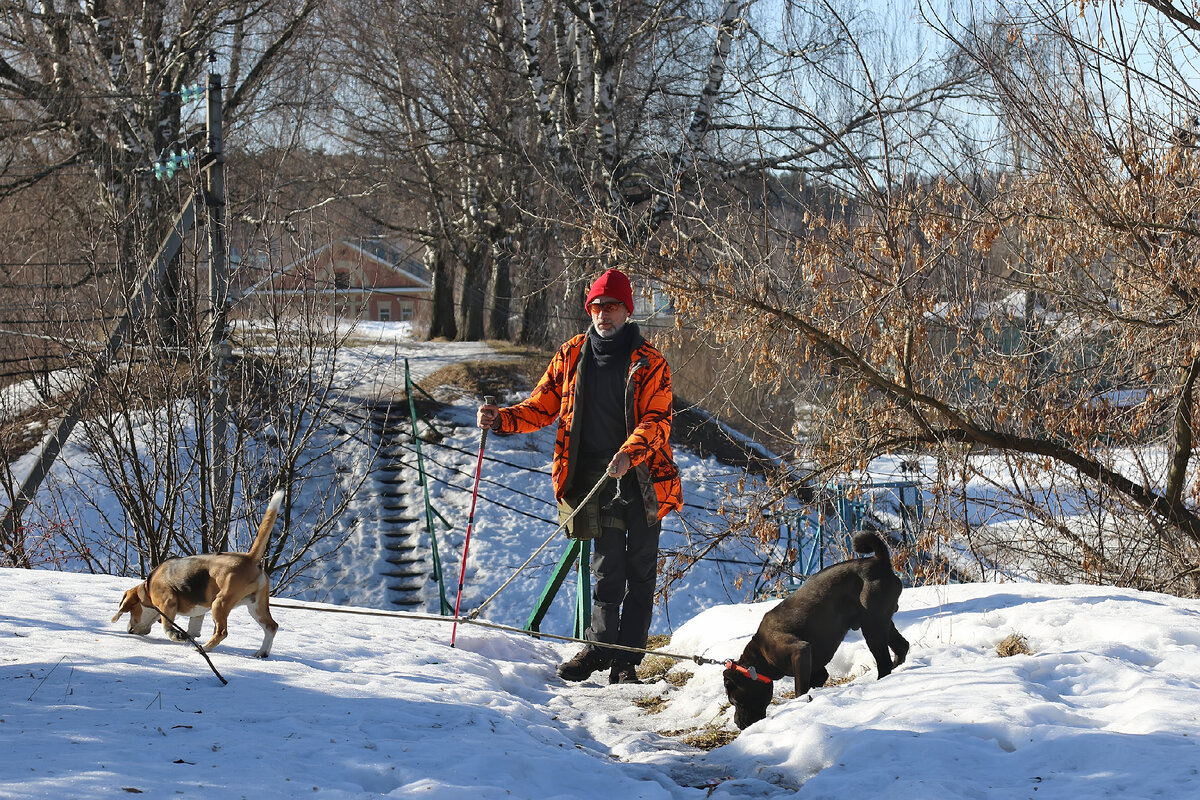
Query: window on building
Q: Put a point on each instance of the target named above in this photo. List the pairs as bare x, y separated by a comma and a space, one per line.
341, 280
406, 310
385, 312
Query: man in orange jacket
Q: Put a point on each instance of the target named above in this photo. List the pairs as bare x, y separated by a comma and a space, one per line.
610, 392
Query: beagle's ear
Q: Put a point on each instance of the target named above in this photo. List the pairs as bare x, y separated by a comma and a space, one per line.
129, 601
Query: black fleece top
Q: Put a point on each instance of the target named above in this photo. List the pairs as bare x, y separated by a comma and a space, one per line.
602, 405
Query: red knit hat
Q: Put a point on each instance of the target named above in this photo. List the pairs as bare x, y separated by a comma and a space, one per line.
614, 284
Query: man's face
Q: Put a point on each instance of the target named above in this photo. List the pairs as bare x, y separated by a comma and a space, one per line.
609, 315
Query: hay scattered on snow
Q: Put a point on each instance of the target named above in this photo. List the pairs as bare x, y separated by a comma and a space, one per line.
651, 703
1014, 645
709, 738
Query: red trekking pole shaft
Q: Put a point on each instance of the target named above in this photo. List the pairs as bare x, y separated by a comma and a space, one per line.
462, 570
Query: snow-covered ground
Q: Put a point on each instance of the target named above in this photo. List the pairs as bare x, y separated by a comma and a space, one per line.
370, 703
373, 361
360, 706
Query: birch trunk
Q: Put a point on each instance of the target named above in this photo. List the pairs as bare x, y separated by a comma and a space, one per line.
702, 115
604, 105
442, 324
549, 127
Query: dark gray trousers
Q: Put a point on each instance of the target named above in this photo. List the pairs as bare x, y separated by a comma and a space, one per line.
624, 568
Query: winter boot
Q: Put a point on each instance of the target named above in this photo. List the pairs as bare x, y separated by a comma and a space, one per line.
582, 664
623, 672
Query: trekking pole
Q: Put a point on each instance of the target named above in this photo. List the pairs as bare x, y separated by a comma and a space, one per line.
475, 613
488, 400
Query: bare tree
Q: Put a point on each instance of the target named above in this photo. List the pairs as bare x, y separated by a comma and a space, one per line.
93, 98
139, 487
1023, 294
98, 86
532, 128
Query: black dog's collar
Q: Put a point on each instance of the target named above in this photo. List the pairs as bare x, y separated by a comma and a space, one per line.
749, 672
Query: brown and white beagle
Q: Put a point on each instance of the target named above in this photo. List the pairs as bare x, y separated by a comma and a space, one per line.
192, 585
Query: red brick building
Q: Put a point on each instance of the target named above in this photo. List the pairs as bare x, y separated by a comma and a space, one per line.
360, 279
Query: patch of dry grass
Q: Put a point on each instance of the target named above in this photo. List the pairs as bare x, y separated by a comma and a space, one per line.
678, 678
707, 738
476, 378
842, 680
23, 432
654, 668
1014, 645
519, 370
651, 703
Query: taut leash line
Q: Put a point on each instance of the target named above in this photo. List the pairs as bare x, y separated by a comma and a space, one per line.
700, 660
475, 612
195, 644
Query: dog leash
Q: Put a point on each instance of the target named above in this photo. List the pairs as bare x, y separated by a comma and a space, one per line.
562, 525
188, 636
698, 659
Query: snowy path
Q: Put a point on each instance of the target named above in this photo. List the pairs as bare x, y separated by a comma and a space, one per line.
356, 707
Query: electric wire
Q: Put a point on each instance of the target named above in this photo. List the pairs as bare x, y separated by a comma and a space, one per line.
365, 418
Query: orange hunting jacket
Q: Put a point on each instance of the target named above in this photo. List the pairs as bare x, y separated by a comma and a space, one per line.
647, 421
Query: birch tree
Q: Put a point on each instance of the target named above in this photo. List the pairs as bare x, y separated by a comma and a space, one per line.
425, 106
537, 128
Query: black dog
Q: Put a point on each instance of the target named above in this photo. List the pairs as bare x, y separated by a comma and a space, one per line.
800, 635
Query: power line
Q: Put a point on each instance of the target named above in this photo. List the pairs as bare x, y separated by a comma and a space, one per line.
55, 263
95, 96
470, 476
364, 419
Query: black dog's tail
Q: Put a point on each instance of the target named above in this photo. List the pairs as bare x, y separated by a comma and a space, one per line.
866, 542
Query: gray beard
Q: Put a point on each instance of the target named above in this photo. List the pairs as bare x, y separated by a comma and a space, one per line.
610, 334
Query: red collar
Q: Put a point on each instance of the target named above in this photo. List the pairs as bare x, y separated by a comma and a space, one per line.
749, 672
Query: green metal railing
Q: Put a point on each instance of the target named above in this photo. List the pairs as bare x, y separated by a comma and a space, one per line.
430, 512
579, 551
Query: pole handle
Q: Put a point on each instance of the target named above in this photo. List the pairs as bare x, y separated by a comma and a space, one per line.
488, 400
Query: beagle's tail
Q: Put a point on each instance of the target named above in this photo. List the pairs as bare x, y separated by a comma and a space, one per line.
867, 542
259, 548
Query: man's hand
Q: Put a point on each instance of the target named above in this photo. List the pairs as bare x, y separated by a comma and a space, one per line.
619, 465
486, 416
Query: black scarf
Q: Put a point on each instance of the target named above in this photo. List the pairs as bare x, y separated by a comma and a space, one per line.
610, 352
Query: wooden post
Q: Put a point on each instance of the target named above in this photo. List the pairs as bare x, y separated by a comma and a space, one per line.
218, 303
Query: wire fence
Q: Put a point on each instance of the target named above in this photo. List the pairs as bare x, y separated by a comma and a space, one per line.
806, 536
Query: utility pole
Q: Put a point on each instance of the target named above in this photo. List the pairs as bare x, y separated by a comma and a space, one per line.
218, 306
